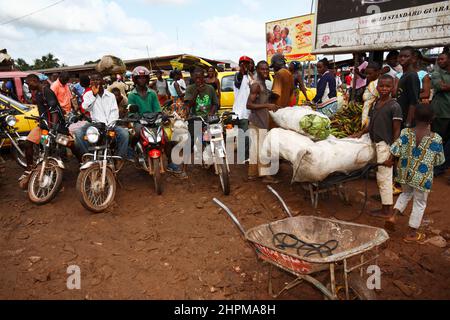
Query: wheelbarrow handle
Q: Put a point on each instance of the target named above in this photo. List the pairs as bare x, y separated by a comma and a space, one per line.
281, 200
232, 216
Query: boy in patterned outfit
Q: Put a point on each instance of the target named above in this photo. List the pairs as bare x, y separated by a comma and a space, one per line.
419, 150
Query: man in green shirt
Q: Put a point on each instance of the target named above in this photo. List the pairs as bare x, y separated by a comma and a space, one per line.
142, 96
147, 102
201, 98
441, 105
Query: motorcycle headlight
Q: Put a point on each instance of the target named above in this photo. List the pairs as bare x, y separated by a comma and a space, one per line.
215, 129
11, 121
93, 135
150, 136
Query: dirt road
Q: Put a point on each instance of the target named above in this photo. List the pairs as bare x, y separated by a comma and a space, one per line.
180, 245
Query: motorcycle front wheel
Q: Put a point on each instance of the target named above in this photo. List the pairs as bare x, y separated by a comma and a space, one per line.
224, 176
42, 192
91, 194
21, 160
157, 176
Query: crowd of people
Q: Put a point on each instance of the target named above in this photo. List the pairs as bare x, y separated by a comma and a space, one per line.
406, 112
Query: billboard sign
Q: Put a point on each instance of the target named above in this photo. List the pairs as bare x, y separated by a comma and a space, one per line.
345, 26
292, 37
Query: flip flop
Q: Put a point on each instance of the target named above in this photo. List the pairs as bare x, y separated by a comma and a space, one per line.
420, 238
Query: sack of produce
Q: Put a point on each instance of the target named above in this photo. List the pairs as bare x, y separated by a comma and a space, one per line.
315, 161
303, 120
289, 145
110, 65
334, 156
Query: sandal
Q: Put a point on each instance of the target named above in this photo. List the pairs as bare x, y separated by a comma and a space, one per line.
420, 238
24, 180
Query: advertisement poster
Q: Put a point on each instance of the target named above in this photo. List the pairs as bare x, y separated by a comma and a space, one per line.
292, 37
380, 25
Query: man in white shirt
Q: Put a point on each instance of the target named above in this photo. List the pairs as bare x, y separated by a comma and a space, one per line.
241, 93
103, 108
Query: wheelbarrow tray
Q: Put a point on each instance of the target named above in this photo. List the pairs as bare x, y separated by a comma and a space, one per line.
354, 239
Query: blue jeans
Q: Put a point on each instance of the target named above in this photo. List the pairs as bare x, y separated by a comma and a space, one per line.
122, 138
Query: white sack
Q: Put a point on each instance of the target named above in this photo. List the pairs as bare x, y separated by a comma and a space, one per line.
314, 162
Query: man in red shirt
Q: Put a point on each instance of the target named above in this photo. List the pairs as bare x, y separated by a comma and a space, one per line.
62, 91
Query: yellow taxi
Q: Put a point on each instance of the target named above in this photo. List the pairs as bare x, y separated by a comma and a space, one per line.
227, 90
20, 111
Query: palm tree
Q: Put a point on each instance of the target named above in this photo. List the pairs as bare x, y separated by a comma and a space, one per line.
46, 62
22, 65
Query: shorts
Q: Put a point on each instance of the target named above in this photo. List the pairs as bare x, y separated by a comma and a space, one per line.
35, 136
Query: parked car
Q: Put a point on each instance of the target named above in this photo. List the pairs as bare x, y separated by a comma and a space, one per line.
20, 111
227, 87
17, 78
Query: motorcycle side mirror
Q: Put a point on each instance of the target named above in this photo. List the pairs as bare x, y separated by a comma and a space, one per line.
132, 108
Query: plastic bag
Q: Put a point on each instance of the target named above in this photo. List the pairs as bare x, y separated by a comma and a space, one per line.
305, 121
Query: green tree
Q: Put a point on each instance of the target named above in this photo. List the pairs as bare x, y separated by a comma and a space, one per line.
46, 62
22, 65
92, 62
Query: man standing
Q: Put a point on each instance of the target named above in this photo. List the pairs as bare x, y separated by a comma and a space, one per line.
242, 81
49, 109
201, 99
102, 106
119, 84
359, 77
259, 105
162, 88
283, 83
62, 91
80, 87
54, 77
408, 91
122, 103
441, 106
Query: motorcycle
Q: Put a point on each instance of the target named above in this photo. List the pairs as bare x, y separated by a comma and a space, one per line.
214, 152
8, 132
46, 178
149, 150
97, 180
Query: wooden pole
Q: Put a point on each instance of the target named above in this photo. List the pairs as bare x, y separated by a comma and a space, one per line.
356, 65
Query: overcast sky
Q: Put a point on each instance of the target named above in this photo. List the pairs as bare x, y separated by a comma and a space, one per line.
83, 30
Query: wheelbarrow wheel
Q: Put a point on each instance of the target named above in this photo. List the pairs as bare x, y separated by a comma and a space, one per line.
357, 289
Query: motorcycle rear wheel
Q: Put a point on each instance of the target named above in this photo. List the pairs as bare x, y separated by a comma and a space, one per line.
93, 200
53, 176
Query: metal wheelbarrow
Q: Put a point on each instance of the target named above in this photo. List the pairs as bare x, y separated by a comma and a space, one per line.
304, 246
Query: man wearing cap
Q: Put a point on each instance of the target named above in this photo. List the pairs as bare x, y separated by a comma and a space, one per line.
242, 81
283, 83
